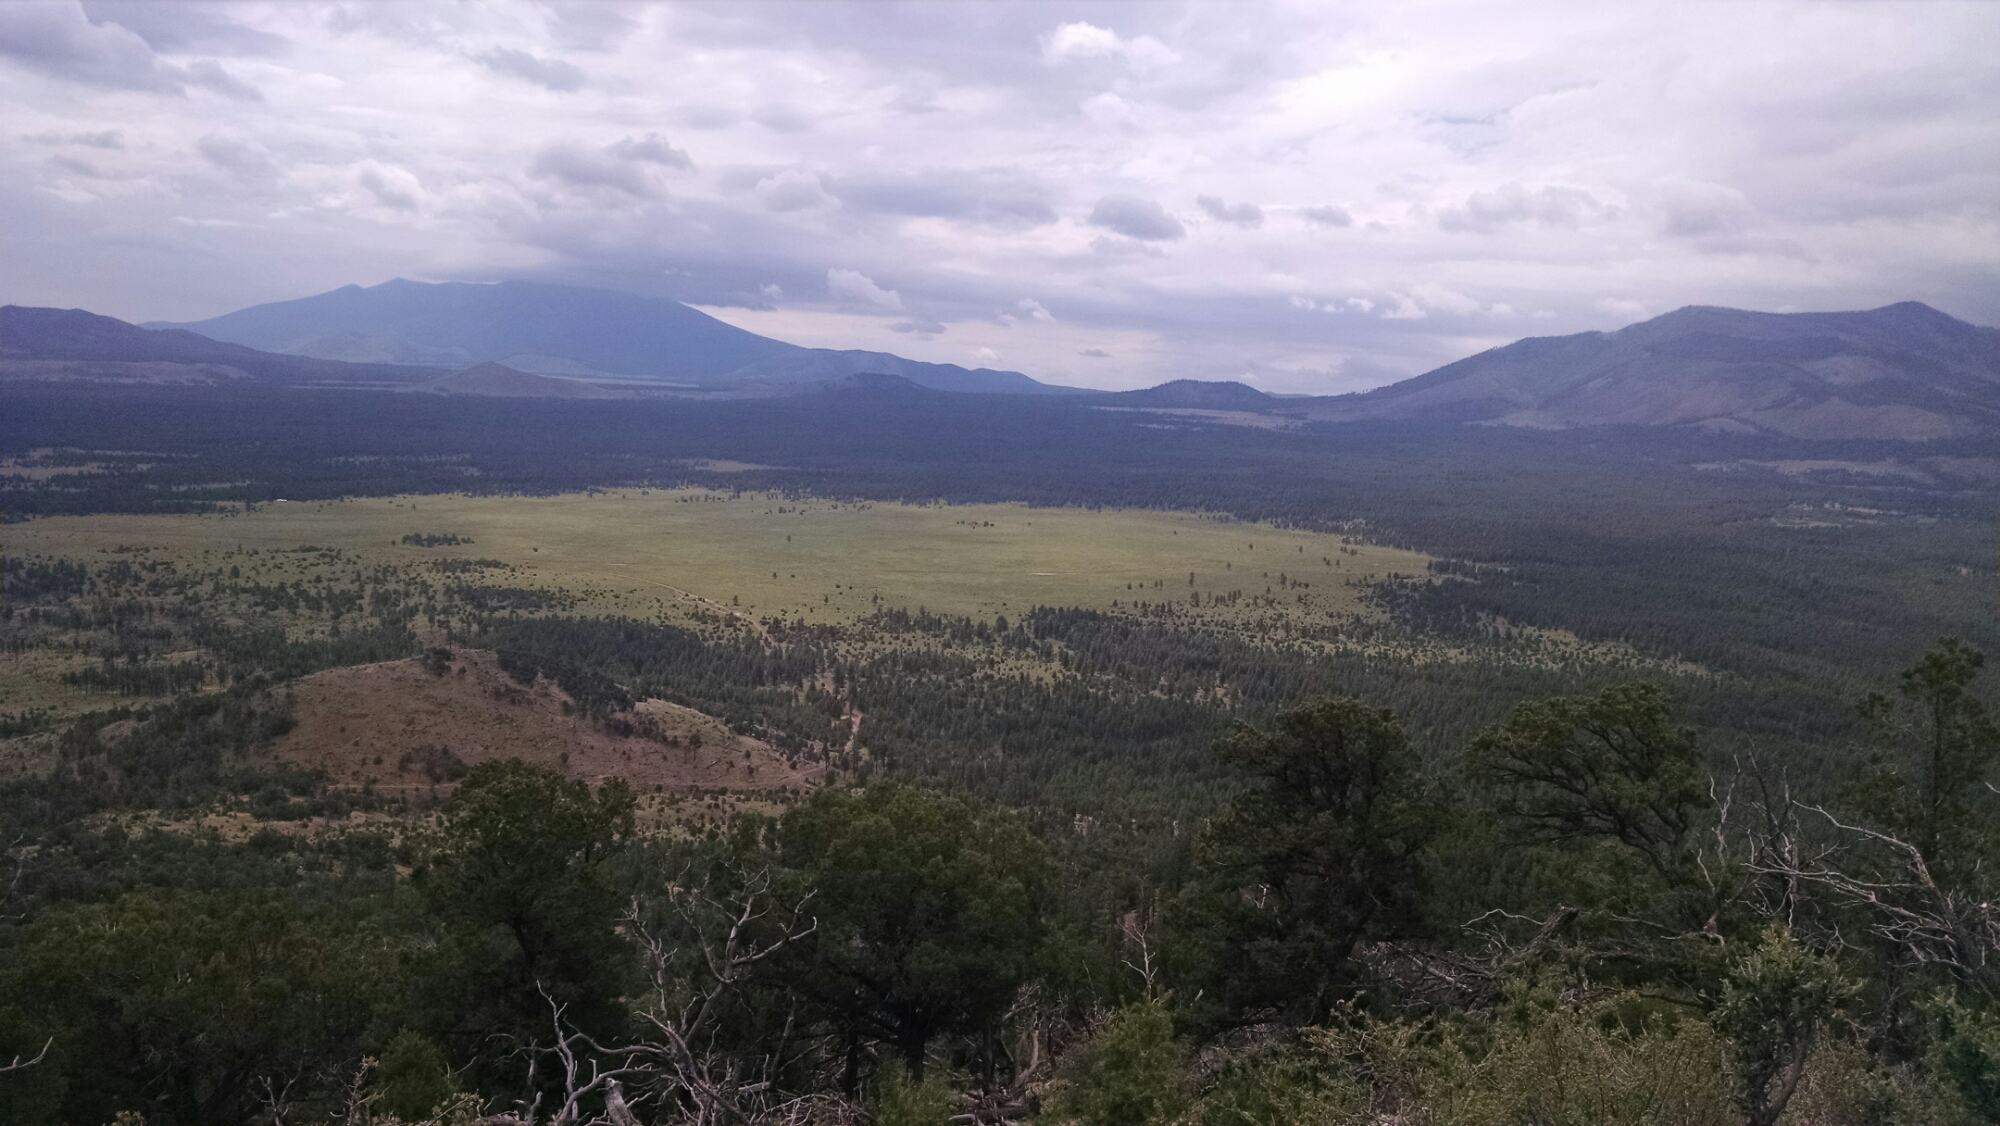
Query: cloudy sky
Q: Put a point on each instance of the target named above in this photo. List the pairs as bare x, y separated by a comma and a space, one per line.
1310, 197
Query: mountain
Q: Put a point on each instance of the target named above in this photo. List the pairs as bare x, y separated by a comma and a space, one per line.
563, 330
459, 324
72, 343
1904, 371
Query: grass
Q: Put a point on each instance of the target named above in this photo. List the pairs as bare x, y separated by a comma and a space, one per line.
646, 552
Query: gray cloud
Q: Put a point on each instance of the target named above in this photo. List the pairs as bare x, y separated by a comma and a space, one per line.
1001, 199
59, 41
550, 74
56, 39
1094, 353
709, 117
179, 29
782, 119
102, 139
236, 156
79, 166
652, 150
1512, 204
793, 190
918, 324
1327, 216
1142, 219
579, 167
591, 27
209, 74
1245, 215
1113, 247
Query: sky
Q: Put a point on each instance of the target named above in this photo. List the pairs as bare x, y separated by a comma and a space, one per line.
1309, 197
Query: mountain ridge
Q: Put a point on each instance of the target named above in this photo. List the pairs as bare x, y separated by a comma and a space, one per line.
563, 330
1904, 371
43, 336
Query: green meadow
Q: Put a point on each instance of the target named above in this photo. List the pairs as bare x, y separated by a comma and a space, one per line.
659, 551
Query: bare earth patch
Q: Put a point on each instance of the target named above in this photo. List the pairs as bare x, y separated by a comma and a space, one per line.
396, 725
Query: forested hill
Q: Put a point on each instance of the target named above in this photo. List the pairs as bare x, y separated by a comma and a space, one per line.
1905, 371
49, 342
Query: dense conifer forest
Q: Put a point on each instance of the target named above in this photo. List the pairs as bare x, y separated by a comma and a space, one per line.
1667, 795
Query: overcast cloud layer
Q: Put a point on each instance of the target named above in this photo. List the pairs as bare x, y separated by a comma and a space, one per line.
1310, 197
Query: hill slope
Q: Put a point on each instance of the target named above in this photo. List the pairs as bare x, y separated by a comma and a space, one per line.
1903, 372
50, 343
402, 728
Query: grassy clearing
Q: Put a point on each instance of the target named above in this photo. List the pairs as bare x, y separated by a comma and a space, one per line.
650, 552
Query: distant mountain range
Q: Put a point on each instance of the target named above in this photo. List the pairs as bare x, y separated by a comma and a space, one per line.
566, 331
1903, 372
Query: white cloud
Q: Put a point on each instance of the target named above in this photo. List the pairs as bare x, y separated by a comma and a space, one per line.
392, 187
1034, 311
1088, 41
1439, 299
1109, 111
1403, 308
854, 288
1512, 204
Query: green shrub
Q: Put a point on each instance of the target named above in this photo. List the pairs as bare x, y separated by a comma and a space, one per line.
895, 1099
411, 1077
1548, 1058
1131, 1073
1287, 1085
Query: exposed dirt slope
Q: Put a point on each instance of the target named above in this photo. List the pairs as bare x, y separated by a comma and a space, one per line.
393, 723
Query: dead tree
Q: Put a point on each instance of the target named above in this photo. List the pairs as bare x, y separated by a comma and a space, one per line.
1931, 924
676, 1061
19, 1064
722, 939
